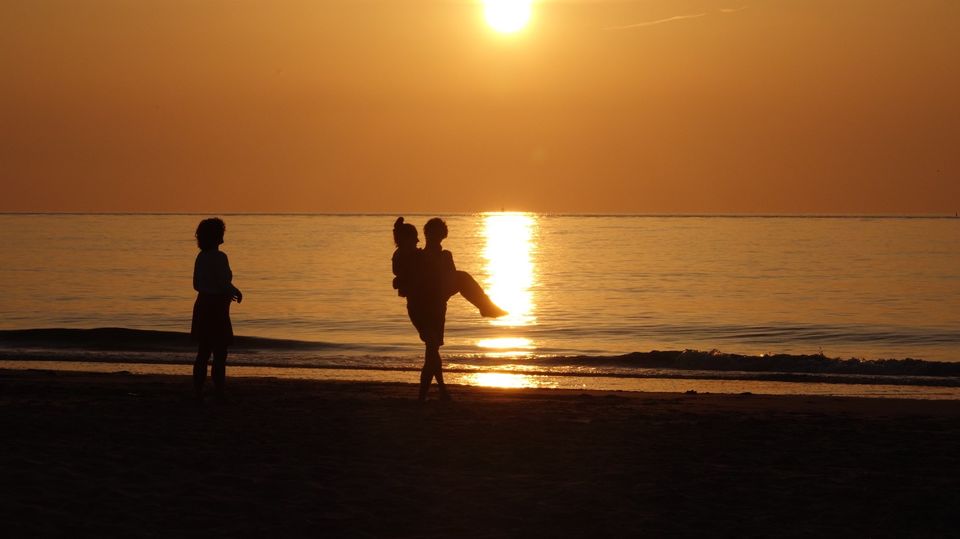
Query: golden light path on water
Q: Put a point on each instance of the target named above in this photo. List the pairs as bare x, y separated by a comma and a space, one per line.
511, 274
500, 379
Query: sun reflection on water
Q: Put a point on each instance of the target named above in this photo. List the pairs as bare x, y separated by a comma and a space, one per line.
500, 379
509, 264
505, 347
510, 243
502, 343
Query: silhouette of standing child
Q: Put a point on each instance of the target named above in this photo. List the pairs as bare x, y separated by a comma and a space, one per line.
428, 278
211, 327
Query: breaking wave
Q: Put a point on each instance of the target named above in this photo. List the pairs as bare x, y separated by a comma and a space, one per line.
123, 345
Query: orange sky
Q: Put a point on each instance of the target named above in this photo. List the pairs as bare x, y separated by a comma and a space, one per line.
836, 106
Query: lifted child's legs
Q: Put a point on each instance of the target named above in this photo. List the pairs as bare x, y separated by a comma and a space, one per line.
470, 289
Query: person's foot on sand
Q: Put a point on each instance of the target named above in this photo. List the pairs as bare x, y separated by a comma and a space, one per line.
445, 396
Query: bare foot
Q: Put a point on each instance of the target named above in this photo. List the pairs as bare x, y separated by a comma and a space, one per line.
492, 312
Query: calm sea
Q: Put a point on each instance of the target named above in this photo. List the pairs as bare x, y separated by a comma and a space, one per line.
595, 286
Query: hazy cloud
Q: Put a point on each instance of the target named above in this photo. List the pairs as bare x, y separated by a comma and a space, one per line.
675, 18
659, 21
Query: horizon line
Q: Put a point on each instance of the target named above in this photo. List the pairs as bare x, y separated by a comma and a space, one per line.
825, 215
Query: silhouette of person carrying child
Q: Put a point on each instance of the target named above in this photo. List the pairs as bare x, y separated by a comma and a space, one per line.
211, 326
428, 277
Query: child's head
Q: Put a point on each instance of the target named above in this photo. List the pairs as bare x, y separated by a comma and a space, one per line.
210, 233
435, 229
404, 234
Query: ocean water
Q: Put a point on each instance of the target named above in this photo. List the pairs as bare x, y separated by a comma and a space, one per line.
576, 287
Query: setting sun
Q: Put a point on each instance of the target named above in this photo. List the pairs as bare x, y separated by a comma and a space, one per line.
507, 16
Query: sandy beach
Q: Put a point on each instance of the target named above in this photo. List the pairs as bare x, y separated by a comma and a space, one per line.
124, 455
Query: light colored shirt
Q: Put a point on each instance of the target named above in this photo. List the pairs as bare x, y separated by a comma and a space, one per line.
211, 273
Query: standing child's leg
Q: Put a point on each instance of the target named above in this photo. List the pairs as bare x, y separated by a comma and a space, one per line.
426, 373
219, 370
200, 369
438, 373
471, 290
432, 368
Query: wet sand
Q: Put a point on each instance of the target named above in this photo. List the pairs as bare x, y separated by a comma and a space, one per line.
124, 455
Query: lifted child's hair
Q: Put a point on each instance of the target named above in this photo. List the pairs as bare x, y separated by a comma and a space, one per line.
403, 231
210, 233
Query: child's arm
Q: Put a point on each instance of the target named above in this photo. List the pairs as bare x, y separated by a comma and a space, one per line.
227, 279
448, 274
401, 272
196, 274
448, 264
396, 263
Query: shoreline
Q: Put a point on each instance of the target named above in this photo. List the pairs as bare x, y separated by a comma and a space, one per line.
134, 455
761, 385
114, 340
407, 389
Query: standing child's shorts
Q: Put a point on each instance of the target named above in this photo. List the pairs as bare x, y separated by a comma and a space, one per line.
429, 317
211, 320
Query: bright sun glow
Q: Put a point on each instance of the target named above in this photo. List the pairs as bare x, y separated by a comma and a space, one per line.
507, 16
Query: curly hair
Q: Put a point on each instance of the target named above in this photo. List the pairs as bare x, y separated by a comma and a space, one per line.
210, 233
435, 228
